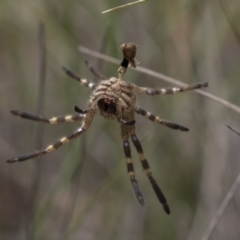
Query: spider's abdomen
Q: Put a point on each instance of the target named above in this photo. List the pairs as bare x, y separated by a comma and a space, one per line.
112, 97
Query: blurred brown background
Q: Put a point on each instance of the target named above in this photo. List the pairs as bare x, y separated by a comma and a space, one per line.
82, 191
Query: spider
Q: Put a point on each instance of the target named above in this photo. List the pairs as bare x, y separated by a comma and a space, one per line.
113, 98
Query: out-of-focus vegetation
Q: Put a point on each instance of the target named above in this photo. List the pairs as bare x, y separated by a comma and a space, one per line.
82, 190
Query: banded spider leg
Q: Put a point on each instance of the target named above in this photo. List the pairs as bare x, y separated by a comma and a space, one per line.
62, 141
125, 132
166, 91
52, 120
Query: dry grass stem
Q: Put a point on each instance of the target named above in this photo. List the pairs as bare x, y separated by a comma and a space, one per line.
224, 203
159, 76
234, 130
230, 19
221, 209
125, 5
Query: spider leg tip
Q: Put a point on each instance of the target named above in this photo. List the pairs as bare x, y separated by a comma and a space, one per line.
184, 129
65, 69
141, 201
166, 209
13, 160
14, 112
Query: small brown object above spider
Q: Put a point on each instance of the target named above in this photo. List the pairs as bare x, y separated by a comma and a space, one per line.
113, 98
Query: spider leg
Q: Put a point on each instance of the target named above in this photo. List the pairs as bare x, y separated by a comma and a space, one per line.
164, 91
94, 71
48, 149
75, 76
120, 120
130, 168
62, 141
53, 120
81, 111
148, 171
124, 122
157, 119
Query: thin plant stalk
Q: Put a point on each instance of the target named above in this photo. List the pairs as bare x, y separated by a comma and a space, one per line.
221, 209
159, 76
125, 5
39, 133
232, 23
224, 203
233, 129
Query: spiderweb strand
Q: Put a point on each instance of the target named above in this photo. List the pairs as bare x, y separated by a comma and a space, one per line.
125, 5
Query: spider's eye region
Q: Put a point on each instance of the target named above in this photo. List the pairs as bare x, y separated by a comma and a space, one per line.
107, 105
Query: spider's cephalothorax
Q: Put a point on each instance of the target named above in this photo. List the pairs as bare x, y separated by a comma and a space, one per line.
113, 99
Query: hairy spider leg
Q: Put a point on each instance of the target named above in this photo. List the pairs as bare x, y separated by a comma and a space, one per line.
52, 120
62, 141
130, 168
120, 120
75, 76
148, 171
165, 91
157, 119
128, 123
